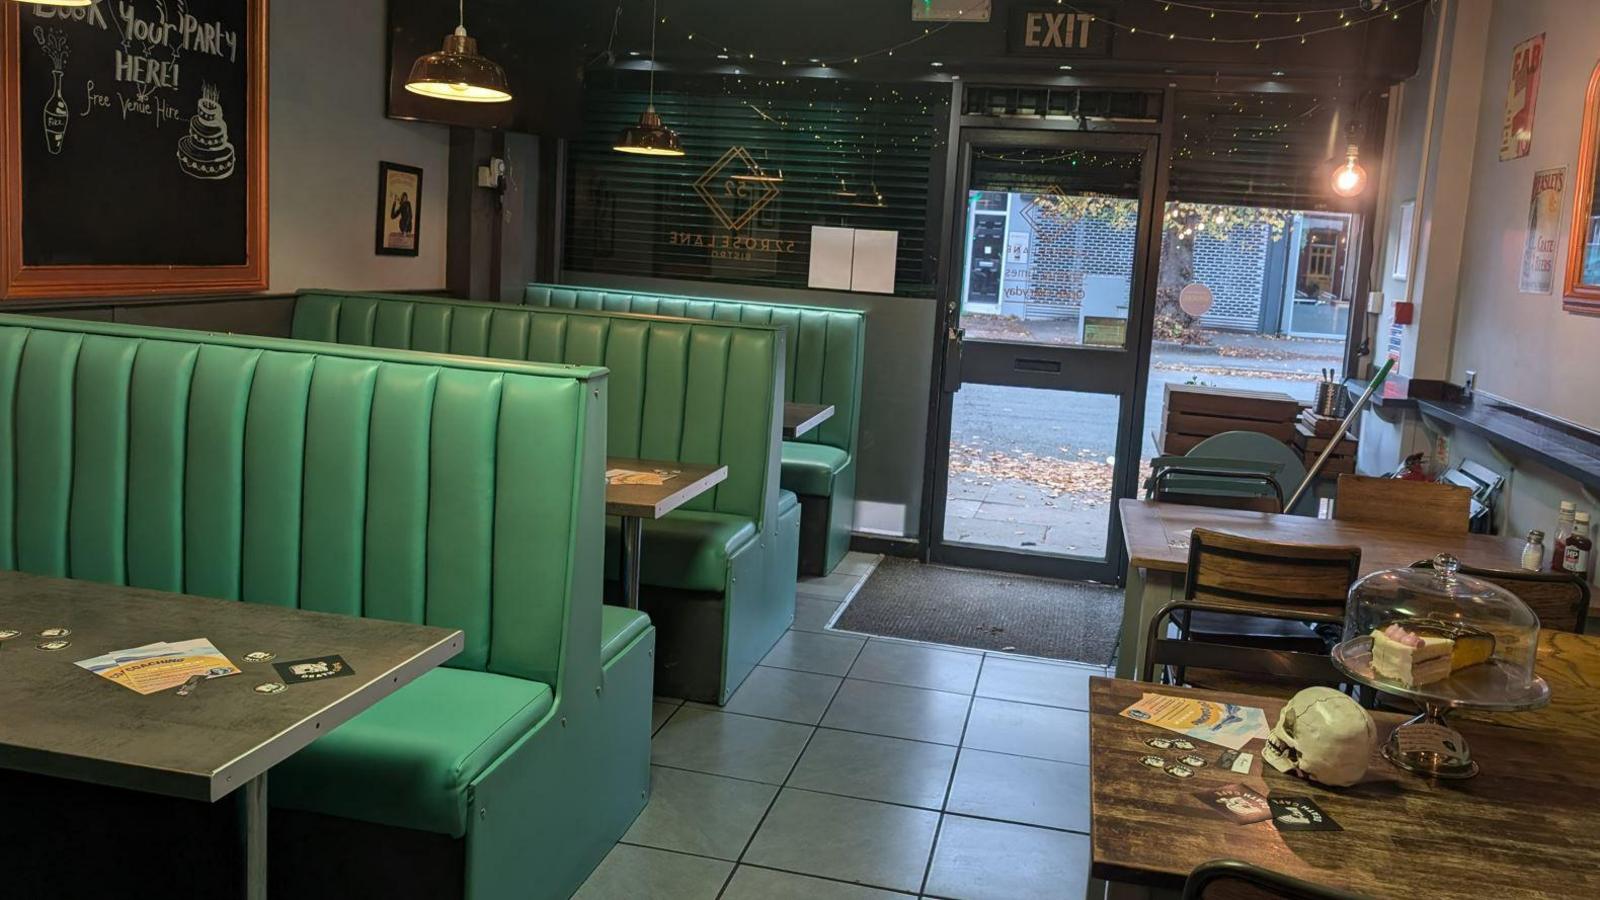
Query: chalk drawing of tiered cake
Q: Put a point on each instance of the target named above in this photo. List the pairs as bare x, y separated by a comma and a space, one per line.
205, 152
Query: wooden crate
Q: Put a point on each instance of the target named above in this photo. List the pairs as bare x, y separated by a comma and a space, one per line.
1192, 413
1311, 442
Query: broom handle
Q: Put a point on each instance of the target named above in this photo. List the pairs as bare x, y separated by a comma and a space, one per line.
1322, 458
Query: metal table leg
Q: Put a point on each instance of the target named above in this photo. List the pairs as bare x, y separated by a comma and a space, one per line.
632, 545
254, 810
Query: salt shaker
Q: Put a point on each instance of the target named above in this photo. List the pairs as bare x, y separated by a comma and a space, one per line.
1533, 551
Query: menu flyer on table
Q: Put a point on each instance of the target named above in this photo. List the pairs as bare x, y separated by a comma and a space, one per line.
1226, 724
653, 478
161, 666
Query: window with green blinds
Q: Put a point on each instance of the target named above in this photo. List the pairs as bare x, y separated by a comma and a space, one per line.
766, 160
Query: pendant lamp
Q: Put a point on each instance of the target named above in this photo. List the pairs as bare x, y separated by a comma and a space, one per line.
457, 72
649, 137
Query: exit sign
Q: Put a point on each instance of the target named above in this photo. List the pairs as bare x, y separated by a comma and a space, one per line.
1057, 30
950, 10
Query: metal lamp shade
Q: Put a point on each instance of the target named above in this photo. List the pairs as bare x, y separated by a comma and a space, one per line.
458, 73
649, 137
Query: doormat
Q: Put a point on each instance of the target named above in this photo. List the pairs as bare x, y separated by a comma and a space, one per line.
987, 611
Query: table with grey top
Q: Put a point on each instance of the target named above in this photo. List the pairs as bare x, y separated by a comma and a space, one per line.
799, 418
63, 721
632, 503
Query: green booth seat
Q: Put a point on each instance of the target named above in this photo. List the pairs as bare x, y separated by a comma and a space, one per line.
718, 575
365, 483
823, 364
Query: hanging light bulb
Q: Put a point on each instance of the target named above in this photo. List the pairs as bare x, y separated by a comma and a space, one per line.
650, 137
1350, 179
457, 72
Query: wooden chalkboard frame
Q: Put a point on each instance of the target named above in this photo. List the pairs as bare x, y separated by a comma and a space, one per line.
21, 281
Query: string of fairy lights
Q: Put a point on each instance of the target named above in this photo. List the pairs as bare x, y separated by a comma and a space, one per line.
1320, 21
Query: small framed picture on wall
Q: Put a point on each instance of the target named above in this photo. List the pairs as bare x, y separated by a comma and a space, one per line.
399, 209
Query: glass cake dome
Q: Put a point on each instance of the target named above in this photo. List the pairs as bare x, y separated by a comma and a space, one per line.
1443, 637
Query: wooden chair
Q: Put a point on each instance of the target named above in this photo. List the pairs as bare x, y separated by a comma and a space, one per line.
1230, 879
1239, 583
1560, 599
1396, 503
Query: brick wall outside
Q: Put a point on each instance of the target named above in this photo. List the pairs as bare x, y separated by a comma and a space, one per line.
1233, 269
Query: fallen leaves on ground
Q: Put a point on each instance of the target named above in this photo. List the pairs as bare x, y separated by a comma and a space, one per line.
1230, 372
1086, 481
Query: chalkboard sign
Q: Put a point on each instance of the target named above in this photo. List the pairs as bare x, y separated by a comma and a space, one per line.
134, 147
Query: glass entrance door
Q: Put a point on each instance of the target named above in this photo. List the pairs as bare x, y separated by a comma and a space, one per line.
1044, 340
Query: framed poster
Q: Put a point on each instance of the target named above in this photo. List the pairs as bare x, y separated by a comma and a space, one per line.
133, 147
1544, 223
399, 210
1522, 95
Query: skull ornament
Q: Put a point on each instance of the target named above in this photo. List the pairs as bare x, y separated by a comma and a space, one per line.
1324, 736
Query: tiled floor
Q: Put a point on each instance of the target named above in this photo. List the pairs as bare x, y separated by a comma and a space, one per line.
859, 768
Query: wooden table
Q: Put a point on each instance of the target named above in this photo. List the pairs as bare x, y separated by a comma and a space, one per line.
799, 418
59, 720
1157, 538
633, 503
1523, 828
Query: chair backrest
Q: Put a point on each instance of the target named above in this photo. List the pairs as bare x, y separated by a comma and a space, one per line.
1204, 482
1267, 454
679, 389
1231, 568
357, 482
1399, 503
1560, 599
826, 350
1230, 879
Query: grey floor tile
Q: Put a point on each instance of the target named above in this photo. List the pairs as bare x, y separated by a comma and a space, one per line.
702, 814
857, 563
1023, 729
898, 711
1006, 678
811, 614
660, 713
978, 860
640, 873
755, 883
783, 694
917, 665
1021, 789
807, 651
873, 767
830, 587
850, 840
721, 743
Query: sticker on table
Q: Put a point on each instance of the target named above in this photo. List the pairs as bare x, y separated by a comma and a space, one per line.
1237, 803
55, 633
1181, 744
52, 646
317, 668
1154, 762
260, 656
1236, 762
1158, 743
652, 478
1300, 814
1179, 770
270, 687
1192, 761
7, 634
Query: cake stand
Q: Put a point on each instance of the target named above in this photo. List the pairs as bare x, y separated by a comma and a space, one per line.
1427, 745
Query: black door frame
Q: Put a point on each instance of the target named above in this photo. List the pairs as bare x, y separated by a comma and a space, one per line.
1124, 373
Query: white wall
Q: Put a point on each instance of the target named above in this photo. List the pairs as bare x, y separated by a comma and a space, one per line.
327, 134
1523, 346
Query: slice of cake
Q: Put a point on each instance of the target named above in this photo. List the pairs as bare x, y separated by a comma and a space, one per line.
1471, 649
1411, 659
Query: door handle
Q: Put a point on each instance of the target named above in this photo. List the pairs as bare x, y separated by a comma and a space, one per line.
952, 359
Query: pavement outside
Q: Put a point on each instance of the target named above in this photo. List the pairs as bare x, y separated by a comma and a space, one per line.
1031, 468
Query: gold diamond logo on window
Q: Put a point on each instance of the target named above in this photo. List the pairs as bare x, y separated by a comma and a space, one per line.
736, 188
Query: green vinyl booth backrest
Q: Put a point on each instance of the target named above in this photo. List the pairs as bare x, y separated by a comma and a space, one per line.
825, 355
358, 482
679, 390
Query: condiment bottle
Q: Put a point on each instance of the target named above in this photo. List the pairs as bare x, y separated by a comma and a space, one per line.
1533, 551
1579, 547
1563, 531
